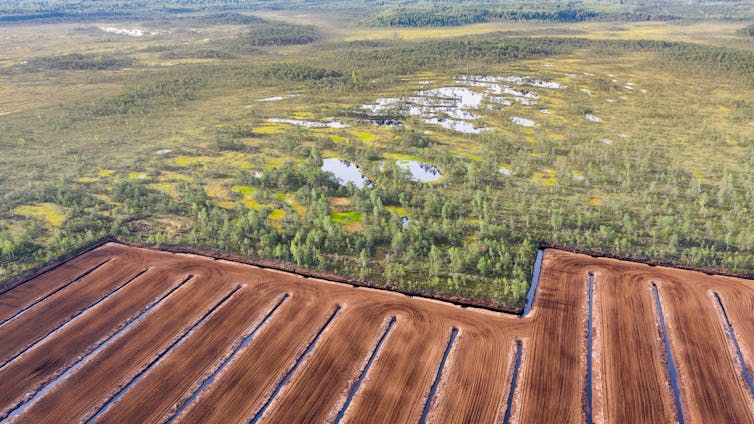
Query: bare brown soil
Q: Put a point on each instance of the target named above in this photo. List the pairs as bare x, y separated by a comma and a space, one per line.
633, 371
739, 304
125, 346
713, 392
62, 349
21, 297
61, 307
634, 386
555, 368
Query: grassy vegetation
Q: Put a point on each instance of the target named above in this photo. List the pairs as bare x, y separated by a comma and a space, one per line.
75, 62
166, 138
748, 30
347, 217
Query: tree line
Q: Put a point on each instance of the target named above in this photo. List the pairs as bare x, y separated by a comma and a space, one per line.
450, 15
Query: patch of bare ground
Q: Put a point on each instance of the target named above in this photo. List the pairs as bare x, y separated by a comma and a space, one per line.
128, 334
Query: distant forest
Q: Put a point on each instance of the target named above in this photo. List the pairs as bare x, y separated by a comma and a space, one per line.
748, 30
390, 13
462, 15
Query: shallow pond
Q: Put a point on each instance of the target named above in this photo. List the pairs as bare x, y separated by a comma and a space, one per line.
462, 97
515, 80
271, 99
523, 121
455, 108
345, 172
460, 126
405, 221
500, 100
123, 31
592, 118
309, 124
381, 122
420, 171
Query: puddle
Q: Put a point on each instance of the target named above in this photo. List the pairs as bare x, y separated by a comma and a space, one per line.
454, 125
387, 122
592, 118
500, 100
345, 172
118, 31
493, 88
420, 171
515, 80
455, 107
524, 101
502, 89
309, 124
270, 99
463, 98
523, 122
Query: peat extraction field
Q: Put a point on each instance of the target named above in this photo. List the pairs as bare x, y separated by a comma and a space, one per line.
129, 334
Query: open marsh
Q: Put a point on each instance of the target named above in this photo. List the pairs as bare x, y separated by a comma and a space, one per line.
197, 132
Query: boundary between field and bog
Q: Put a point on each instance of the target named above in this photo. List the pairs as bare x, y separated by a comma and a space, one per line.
51, 265
464, 302
645, 261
